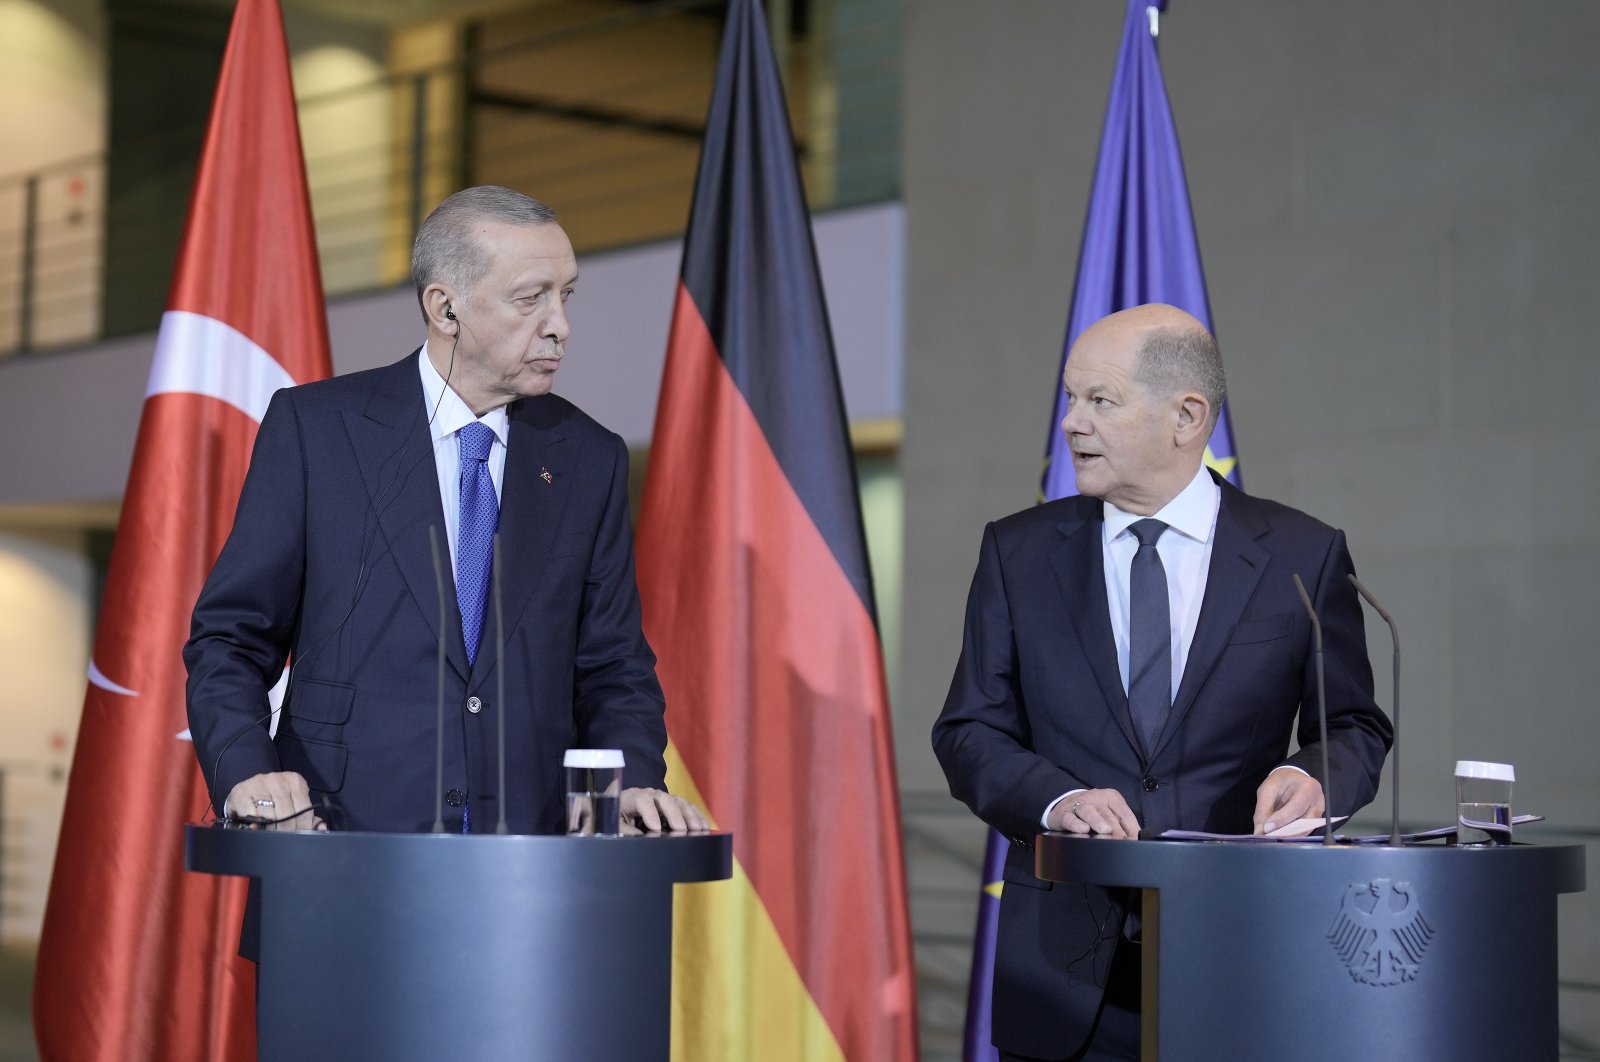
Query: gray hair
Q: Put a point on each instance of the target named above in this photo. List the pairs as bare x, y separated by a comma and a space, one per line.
446, 252
1173, 359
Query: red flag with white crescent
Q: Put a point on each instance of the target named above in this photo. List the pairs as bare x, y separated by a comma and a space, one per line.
137, 960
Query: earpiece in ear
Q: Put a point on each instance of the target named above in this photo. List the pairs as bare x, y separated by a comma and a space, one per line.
448, 312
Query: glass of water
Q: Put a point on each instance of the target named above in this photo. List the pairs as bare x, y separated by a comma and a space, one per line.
1483, 803
594, 792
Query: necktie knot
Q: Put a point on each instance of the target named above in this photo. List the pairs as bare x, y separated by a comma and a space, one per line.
476, 440
1147, 531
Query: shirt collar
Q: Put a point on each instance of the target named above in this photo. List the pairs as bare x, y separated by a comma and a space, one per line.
1193, 513
450, 413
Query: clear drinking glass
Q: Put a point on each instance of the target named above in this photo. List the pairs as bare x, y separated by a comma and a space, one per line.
594, 792
1483, 803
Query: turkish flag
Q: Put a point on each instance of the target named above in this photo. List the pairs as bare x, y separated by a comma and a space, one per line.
137, 958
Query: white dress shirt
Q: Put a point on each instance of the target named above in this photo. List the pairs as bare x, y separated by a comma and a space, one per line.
1185, 549
448, 415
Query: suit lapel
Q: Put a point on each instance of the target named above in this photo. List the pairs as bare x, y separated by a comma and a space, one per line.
539, 472
1237, 564
1079, 563
395, 454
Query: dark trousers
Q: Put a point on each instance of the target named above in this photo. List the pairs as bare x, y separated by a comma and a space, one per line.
1116, 1029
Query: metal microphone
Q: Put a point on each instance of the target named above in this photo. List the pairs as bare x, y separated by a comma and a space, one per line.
444, 619
1322, 711
1394, 753
500, 681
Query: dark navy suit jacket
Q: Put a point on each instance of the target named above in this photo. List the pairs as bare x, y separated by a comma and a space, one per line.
1037, 708
329, 560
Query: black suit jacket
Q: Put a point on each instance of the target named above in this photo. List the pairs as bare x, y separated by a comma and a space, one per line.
329, 560
1037, 708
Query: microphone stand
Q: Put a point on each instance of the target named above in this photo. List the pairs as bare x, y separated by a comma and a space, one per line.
1322, 712
500, 683
1394, 754
444, 619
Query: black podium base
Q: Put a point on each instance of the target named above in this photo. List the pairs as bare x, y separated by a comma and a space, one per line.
423, 947
1338, 953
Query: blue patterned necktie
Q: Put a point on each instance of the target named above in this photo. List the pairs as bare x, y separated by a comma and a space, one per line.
480, 516
1149, 638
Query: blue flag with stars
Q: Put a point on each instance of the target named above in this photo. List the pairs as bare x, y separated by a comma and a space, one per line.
1139, 243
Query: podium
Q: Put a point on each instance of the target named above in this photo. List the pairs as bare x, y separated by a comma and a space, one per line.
427, 946
1274, 951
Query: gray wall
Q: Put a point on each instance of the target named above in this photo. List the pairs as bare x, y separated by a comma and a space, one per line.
1398, 205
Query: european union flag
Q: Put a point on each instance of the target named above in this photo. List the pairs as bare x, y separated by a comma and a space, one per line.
1139, 243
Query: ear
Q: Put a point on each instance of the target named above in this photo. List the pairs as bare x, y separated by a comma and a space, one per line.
437, 300
1191, 420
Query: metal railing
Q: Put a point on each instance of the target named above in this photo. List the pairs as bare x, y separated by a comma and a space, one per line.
15, 870
601, 116
51, 224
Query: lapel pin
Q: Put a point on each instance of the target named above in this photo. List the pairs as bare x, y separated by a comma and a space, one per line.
544, 474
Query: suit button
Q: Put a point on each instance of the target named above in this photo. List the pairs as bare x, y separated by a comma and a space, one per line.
1151, 785
455, 798
474, 705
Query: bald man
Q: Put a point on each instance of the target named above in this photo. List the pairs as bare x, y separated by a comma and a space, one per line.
1134, 661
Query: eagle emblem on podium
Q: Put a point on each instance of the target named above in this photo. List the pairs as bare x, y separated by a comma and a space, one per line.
1380, 933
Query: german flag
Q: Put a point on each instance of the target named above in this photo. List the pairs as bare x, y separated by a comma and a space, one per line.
758, 601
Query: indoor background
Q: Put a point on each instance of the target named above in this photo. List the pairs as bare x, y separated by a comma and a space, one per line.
1397, 204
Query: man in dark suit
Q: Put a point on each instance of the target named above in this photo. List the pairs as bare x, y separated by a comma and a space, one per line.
331, 564
1133, 662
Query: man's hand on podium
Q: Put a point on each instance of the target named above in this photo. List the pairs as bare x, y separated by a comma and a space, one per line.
279, 800
1101, 812
1288, 794
655, 811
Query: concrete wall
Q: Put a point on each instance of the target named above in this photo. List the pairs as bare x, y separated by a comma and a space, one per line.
347, 124
44, 628
52, 73
1397, 208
